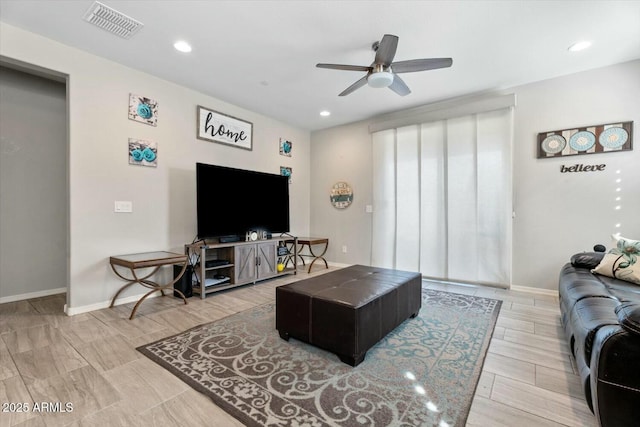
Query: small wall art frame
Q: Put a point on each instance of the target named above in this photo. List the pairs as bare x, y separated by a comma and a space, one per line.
286, 171
607, 138
143, 109
143, 153
224, 129
285, 147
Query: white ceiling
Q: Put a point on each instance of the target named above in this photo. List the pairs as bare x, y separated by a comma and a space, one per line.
261, 55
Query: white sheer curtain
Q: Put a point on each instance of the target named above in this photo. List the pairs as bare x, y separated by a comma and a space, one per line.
442, 198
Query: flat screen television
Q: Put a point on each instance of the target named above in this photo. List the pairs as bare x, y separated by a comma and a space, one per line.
233, 201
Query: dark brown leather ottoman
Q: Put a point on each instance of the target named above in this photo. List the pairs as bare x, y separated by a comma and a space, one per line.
349, 310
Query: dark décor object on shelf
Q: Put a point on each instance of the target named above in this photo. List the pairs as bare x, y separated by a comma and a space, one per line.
600, 316
593, 139
234, 201
241, 363
600, 248
347, 311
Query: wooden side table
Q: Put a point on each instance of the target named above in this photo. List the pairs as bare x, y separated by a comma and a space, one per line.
309, 242
145, 260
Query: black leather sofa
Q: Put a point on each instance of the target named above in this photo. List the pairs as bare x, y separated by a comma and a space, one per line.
601, 319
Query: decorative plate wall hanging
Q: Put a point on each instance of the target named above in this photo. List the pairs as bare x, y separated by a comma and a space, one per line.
341, 195
586, 140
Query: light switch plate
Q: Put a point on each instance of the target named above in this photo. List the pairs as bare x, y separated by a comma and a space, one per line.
368, 209
123, 206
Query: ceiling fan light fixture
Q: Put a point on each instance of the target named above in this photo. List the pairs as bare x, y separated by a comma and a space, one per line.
380, 79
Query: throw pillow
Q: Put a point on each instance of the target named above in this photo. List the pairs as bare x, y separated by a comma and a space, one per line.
617, 240
587, 259
622, 261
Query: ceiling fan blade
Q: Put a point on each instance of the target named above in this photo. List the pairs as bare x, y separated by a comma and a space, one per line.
399, 86
413, 65
386, 50
356, 85
344, 67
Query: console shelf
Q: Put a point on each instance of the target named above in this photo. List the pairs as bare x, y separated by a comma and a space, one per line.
239, 263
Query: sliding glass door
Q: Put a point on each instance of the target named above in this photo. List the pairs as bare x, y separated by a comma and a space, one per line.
442, 198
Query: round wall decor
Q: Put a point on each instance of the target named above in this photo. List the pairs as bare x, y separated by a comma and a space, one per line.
341, 195
614, 137
582, 141
554, 144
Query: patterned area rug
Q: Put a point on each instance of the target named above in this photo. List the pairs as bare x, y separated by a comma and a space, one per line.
424, 373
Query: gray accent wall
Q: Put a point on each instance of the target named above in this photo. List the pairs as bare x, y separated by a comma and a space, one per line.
33, 184
556, 214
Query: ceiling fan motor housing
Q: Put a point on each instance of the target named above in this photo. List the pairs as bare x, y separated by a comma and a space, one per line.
380, 79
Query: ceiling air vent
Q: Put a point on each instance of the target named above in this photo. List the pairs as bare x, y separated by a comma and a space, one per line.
111, 20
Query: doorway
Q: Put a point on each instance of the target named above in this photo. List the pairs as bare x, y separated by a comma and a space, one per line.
34, 200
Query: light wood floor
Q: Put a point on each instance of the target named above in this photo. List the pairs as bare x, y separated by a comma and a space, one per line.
90, 361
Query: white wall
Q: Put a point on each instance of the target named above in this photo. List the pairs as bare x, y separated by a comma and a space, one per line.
557, 214
164, 211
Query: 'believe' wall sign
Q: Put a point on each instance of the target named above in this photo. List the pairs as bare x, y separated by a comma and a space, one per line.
582, 168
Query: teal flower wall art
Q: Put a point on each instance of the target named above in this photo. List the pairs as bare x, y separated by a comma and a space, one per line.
143, 153
285, 147
143, 109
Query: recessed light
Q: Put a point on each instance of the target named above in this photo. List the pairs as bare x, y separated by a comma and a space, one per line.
576, 47
182, 46
325, 113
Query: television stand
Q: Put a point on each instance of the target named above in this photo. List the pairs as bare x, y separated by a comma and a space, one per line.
226, 265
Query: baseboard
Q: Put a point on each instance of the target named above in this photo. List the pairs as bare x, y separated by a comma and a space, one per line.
338, 264
30, 295
72, 311
539, 291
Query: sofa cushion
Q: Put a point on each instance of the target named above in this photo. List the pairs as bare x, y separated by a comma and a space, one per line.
578, 283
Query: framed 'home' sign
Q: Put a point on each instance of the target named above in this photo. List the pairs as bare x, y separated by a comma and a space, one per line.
593, 139
217, 127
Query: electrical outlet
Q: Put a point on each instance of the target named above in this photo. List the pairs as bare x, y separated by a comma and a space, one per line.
344, 249
121, 206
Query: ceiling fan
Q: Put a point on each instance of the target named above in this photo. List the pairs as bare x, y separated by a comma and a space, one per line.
383, 72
